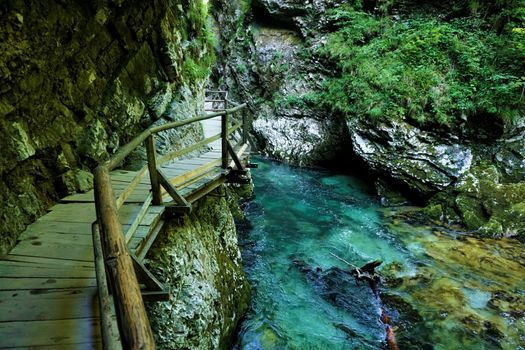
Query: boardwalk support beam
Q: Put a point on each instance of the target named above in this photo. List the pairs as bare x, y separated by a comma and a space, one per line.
154, 291
235, 158
172, 191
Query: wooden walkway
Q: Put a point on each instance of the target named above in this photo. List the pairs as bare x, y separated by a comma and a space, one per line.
48, 282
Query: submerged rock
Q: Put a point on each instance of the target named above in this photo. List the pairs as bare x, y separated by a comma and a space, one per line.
339, 288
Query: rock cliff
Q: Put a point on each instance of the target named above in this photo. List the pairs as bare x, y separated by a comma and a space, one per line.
198, 258
78, 80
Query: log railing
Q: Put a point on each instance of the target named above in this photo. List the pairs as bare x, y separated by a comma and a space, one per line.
114, 264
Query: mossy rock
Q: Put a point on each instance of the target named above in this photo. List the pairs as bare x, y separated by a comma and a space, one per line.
434, 211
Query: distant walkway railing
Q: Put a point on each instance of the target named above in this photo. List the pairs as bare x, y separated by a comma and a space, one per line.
114, 264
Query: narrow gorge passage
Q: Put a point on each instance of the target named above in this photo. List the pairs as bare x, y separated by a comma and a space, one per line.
443, 289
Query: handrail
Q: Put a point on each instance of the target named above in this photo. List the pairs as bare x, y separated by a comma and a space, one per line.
111, 253
124, 151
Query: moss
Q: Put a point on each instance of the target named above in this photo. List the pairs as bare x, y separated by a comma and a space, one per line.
492, 228
420, 68
198, 257
434, 211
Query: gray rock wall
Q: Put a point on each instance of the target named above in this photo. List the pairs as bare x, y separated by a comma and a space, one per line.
78, 79
199, 259
261, 64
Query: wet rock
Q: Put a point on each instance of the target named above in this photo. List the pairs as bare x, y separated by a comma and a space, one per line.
510, 155
282, 9
388, 195
301, 141
419, 160
484, 203
75, 181
93, 145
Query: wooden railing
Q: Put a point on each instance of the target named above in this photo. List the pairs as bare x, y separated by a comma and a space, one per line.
114, 264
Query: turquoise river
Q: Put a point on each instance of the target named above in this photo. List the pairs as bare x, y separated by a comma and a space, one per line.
439, 289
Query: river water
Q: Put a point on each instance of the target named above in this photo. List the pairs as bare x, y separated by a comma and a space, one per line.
441, 289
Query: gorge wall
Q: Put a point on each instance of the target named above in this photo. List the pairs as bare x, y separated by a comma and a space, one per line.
199, 259
331, 82
79, 79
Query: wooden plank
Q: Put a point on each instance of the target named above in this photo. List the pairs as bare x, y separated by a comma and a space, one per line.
142, 231
10, 283
121, 178
79, 217
48, 294
152, 218
49, 262
79, 197
212, 173
73, 238
75, 333
12, 269
138, 219
134, 243
45, 309
58, 227
54, 250
132, 185
205, 188
143, 248
187, 150
69, 208
128, 213
181, 179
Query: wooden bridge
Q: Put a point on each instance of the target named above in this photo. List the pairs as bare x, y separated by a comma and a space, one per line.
75, 279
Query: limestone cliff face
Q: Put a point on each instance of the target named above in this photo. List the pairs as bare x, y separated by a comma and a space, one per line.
78, 79
199, 259
262, 63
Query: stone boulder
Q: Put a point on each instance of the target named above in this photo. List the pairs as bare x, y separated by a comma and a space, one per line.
300, 138
418, 160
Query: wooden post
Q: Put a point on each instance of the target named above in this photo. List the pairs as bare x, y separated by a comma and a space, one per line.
152, 167
244, 128
135, 329
224, 136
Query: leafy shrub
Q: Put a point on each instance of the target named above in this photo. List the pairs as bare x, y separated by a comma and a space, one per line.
422, 68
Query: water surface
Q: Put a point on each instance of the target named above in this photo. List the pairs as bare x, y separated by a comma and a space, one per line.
442, 289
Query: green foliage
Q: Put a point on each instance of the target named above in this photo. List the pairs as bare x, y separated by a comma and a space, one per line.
194, 70
422, 68
307, 100
199, 54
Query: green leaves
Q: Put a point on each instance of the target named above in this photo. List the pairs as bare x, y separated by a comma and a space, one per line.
422, 68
